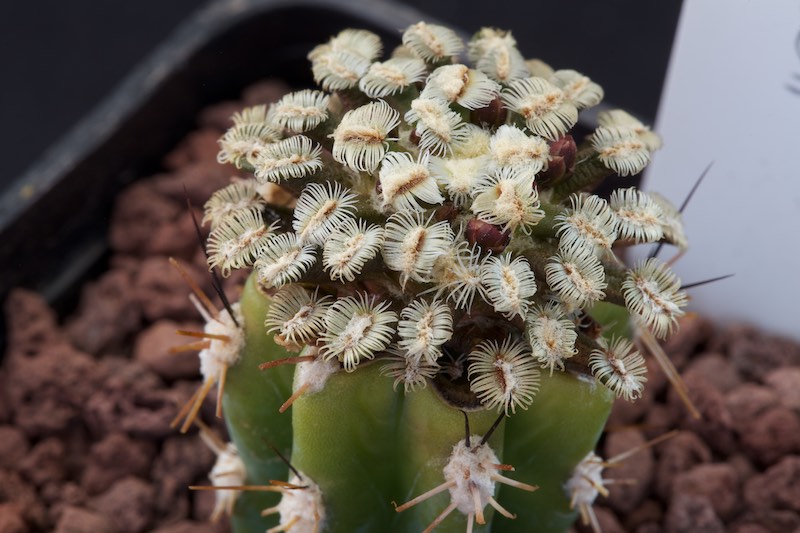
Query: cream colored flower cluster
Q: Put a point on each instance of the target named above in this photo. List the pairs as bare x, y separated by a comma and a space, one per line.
443, 219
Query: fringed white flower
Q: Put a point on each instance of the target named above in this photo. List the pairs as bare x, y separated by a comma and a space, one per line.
340, 63
243, 142
283, 260
503, 375
237, 197
470, 476
337, 70
539, 68
423, 328
577, 276
545, 108
412, 245
620, 367
476, 142
357, 328
508, 284
360, 139
469, 88
588, 222
459, 176
619, 118
578, 89
508, 198
440, 129
672, 223
296, 316
237, 239
652, 294
494, 52
320, 210
411, 371
349, 247
392, 76
432, 42
457, 274
620, 149
301, 110
512, 147
551, 335
295, 157
404, 182
639, 218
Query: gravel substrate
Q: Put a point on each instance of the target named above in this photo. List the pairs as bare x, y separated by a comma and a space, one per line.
86, 401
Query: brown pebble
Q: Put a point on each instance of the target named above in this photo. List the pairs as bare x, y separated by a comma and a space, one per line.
45, 462
749, 401
13, 446
605, 518
184, 460
49, 390
777, 488
786, 384
162, 292
152, 350
678, 454
30, 323
715, 425
11, 520
691, 514
718, 482
139, 211
79, 520
107, 315
648, 512
716, 369
132, 400
756, 354
128, 505
770, 520
693, 331
771, 435
113, 458
14, 489
187, 526
625, 497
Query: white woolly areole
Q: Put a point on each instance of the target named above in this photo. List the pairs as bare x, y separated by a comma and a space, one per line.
582, 485
222, 353
314, 374
228, 471
303, 508
470, 469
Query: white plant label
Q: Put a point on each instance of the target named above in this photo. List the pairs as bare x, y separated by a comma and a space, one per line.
732, 97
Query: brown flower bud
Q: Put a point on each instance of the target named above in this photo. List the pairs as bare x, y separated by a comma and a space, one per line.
489, 237
562, 160
493, 115
447, 212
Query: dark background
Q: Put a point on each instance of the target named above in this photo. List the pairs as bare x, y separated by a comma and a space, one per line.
59, 59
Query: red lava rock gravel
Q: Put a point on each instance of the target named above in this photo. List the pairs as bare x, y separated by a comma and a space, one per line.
86, 400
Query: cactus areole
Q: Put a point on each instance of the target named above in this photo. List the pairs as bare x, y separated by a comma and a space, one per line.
436, 320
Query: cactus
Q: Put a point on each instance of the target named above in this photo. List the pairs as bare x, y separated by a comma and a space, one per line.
438, 300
